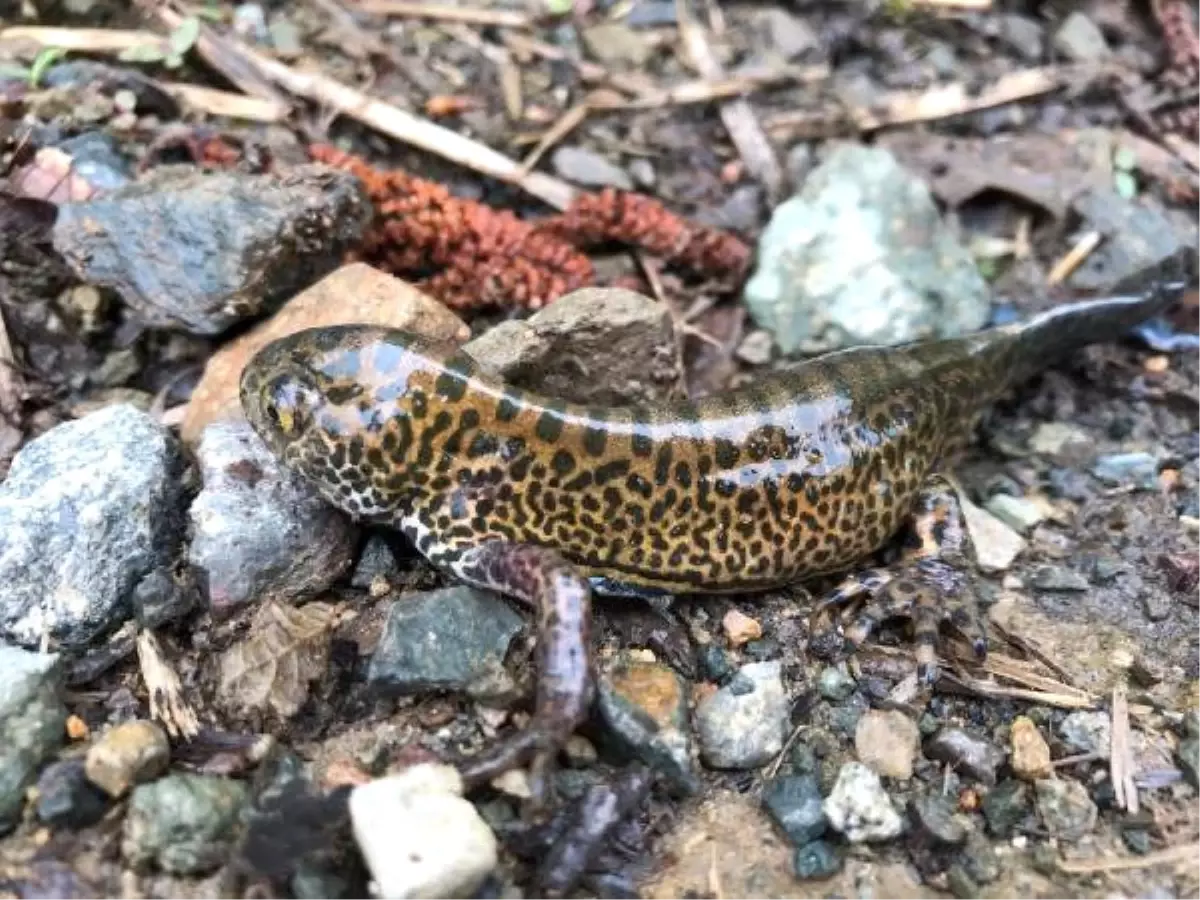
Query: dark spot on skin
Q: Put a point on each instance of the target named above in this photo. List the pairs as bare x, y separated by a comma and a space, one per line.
641, 442
639, 485
507, 408
726, 453
450, 385
483, 444
610, 470
595, 440
549, 425
683, 475
662, 465
563, 462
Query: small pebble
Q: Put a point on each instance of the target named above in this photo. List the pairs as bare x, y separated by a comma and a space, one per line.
77, 728
887, 741
31, 723
740, 628
1139, 470
1059, 440
968, 754
65, 797
1019, 513
834, 684
1030, 752
1065, 807
1058, 578
131, 753
1080, 39
184, 824
934, 816
860, 808
713, 663
1137, 840
816, 860
794, 803
1188, 757
448, 849
1005, 806
589, 169
1087, 731
743, 724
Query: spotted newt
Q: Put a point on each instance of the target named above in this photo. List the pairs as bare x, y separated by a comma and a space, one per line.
804, 472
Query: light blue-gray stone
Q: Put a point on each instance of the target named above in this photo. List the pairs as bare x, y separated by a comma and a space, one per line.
32, 719
861, 256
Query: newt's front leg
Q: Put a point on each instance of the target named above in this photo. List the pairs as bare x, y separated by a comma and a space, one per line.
930, 584
542, 578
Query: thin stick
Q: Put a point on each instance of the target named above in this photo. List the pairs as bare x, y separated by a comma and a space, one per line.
588, 71
1074, 257
705, 91
442, 13
1121, 763
225, 103
1186, 150
567, 122
969, 5
84, 40
1170, 856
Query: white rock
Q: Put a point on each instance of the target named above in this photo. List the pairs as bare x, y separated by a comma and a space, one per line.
743, 725
860, 808
419, 837
996, 545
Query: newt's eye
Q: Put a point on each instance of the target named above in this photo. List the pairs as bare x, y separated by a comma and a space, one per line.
285, 404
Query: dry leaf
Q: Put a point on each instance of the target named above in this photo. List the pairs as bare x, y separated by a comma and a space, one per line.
287, 647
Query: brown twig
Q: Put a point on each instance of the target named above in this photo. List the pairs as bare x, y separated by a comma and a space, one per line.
214, 102
82, 40
1183, 853
444, 13
1074, 257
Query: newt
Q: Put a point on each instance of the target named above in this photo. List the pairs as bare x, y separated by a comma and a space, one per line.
806, 472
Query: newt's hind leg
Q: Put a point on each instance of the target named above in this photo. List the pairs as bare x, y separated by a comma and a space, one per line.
929, 585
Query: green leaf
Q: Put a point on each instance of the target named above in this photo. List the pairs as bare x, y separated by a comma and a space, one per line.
1125, 184
1125, 159
184, 37
142, 53
46, 57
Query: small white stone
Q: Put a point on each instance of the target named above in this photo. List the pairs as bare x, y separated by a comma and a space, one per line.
419, 837
860, 808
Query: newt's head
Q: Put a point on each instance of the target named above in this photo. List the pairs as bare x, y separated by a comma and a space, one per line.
340, 405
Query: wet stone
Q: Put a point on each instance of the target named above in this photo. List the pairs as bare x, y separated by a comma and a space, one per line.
1188, 757
589, 169
966, 753
164, 596
65, 797
449, 639
183, 824
131, 753
834, 684
819, 859
1005, 806
644, 706
743, 724
1030, 752
1065, 808
1086, 731
260, 531
87, 511
1079, 39
200, 252
794, 803
1058, 578
32, 719
934, 817
860, 808
887, 741
713, 663
1137, 470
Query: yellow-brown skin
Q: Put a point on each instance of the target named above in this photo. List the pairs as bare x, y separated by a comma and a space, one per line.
803, 473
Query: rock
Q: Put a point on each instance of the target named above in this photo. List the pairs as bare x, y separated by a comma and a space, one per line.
860, 808
786, 33
448, 850
861, 256
589, 169
183, 824
834, 684
88, 510
1137, 470
935, 819
887, 741
1188, 757
819, 859
743, 724
450, 639
201, 252
755, 348
979, 860
794, 803
615, 43
1030, 752
165, 595
739, 212
1065, 807
1079, 39
1061, 442
377, 561
965, 753
603, 346
996, 544
32, 722
129, 754
1005, 806
1018, 513
65, 797
355, 293
1086, 731
713, 663
1023, 34
740, 628
260, 531
644, 707
1058, 578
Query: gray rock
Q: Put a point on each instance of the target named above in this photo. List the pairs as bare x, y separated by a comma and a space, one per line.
1017, 513
32, 719
1086, 731
589, 169
260, 531
645, 709
1067, 810
979, 859
376, 561
743, 724
966, 753
887, 740
1023, 34
738, 212
200, 252
1004, 806
164, 596
835, 685
1060, 441
1139, 470
603, 346
1079, 39
860, 808
183, 824
996, 544
1058, 578
88, 510
861, 256
819, 859
1139, 241
794, 803
65, 797
788, 34
130, 753
1188, 757
935, 819
615, 43
652, 14
449, 639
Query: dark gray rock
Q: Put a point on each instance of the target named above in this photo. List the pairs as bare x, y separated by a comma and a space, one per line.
794, 802
1023, 34
449, 639
966, 753
861, 256
183, 824
376, 561
32, 719
95, 158
1005, 806
1188, 757
834, 684
65, 797
713, 663
88, 510
1079, 39
200, 252
935, 819
1067, 811
979, 860
260, 531
1058, 578
1137, 470
819, 859
590, 169
163, 596
743, 724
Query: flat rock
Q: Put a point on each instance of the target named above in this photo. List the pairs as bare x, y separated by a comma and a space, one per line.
32, 722
743, 724
887, 741
936, 819
966, 753
590, 169
860, 808
1137, 470
259, 530
996, 545
355, 293
1018, 513
183, 824
861, 256
199, 252
88, 510
604, 346
1005, 806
